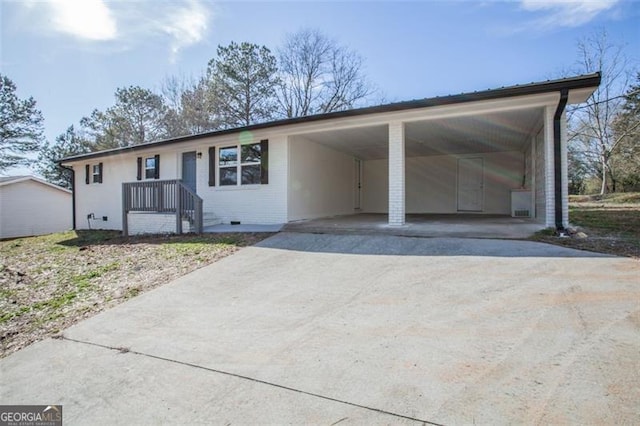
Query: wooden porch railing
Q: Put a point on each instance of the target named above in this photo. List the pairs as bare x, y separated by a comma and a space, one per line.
162, 196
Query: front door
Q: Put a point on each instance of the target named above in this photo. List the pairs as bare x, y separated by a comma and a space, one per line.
189, 170
470, 184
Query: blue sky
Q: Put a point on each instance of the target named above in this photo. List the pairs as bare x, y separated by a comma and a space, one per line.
72, 55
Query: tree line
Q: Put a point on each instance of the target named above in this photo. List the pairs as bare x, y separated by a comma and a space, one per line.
243, 84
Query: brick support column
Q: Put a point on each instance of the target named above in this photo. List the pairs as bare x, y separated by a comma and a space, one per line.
396, 174
549, 173
565, 171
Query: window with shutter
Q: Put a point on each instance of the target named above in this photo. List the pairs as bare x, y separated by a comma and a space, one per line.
245, 164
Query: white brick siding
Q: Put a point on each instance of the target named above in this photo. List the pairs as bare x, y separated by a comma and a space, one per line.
154, 223
249, 204
549, 174
322, 180
565, 172
396, 174
540, 184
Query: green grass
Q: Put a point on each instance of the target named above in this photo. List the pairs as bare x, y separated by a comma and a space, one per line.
625, 221
611, 223
616, 198
82, 281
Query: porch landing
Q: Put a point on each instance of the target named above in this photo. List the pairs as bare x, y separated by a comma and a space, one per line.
423, 225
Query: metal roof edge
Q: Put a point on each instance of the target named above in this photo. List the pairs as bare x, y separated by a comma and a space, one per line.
576, 82
19, 179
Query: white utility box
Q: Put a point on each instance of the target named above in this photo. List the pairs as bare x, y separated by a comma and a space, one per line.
520, 203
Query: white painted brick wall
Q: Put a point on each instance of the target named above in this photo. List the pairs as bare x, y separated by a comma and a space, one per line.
565, 172
321, 180
396, 174
154, 223
549, 174
249, 204
540, 184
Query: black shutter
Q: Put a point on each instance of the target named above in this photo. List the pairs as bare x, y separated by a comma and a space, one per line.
212, 166
157, 163
264, 162
86, 174
139, 177
100, 173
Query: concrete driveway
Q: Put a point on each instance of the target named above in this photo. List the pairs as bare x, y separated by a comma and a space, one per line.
326, 329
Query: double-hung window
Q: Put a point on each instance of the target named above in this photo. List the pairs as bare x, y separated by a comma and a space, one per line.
93, 173
150, 168
228, 165
250, 164
248, 168
96, 173
242, 164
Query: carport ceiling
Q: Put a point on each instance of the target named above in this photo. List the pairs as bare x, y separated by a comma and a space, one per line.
504, 131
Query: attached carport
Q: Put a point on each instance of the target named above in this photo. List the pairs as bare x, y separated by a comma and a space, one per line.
498, 152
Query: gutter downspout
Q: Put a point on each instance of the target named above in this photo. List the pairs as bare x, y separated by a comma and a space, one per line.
73, 192
557, 158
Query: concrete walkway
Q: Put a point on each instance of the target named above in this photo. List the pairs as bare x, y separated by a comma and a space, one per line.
326, 329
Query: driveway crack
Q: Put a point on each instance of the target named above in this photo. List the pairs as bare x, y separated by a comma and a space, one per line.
123, 350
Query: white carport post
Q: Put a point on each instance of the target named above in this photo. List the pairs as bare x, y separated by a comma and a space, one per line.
549, 173
396, 174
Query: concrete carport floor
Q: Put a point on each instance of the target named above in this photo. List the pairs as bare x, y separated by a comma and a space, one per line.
352, 329
423, 225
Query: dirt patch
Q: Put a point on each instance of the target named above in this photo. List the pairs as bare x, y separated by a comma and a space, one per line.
51, 282
603, 226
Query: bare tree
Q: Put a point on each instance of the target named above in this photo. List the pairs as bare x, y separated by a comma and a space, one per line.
626, 160
591, 126
191, 106
318, 75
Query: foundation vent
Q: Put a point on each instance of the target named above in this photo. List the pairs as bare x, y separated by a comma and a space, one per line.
521, 213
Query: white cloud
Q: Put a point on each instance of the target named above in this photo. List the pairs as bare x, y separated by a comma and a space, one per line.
125, 24
186, 25
85, 19
567, 13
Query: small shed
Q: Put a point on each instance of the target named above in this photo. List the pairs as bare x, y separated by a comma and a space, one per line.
32, 206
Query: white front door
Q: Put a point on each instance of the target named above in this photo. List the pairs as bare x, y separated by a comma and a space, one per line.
470, 184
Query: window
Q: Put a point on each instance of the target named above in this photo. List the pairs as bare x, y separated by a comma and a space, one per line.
150, 168
246, 164
228, 165
250, 164
96, 173
93, 173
